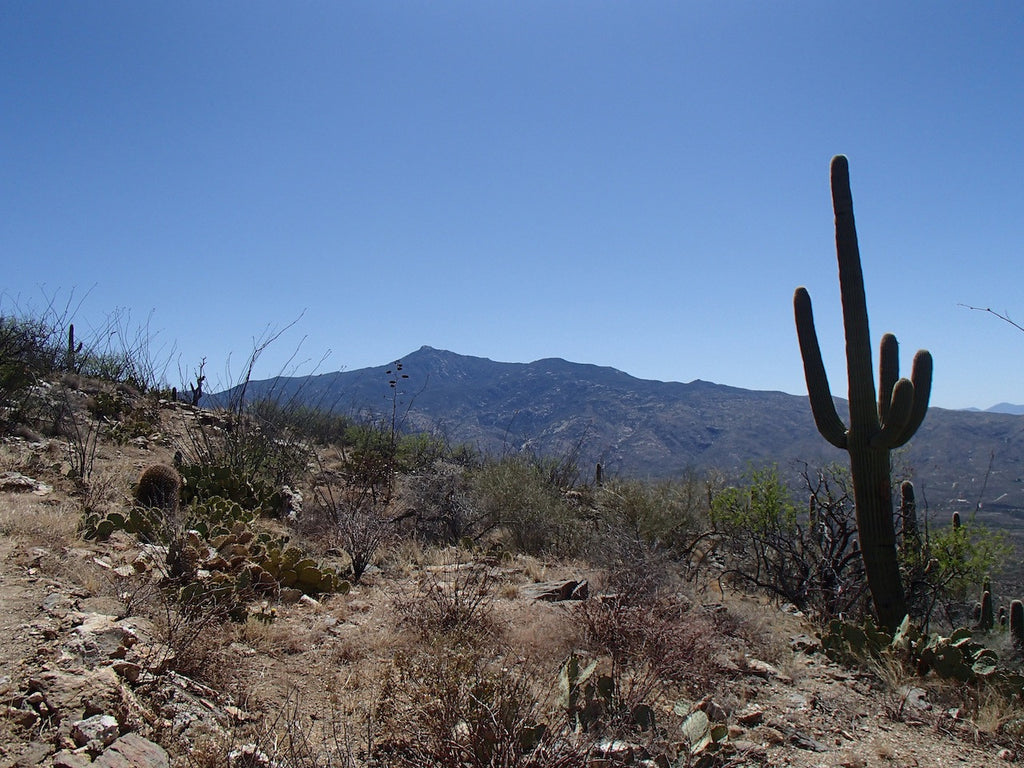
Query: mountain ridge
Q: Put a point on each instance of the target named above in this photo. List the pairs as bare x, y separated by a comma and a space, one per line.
654, 429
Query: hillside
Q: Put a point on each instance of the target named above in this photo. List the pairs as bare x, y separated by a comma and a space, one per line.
643, 428
441, 656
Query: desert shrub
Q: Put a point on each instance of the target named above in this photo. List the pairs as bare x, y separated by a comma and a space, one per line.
809, 559
666, 516
946, 574
253, 450
453, 601
452, 707
440, 502
37, 345
29, 352
306, 422
350, 518
516, 493
653, 636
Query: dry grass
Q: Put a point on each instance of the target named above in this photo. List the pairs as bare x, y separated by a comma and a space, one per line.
33, 522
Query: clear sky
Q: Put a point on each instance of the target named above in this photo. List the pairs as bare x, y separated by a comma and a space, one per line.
633, 184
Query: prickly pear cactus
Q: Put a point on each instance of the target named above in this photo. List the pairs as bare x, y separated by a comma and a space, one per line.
206, 481
147, 524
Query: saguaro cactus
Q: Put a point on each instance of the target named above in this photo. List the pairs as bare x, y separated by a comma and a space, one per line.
1017, 624
876, 425
910, 538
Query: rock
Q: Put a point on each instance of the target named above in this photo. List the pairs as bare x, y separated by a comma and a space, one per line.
104, 604
749, 749
770, 736
102, 729
716, 712
98, 637
128, 670
76, 695
291, 504
750, 716
804, 643
915, 698
25, 718
249, 756
1007, 755
15, 482
616, 750
557, 591
34, 753
133, 751
67, 759
764, 670
57, 602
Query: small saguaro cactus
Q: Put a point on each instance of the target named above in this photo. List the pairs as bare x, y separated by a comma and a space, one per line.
73, 349
910, 537
1017, 624
987, 618
877, 425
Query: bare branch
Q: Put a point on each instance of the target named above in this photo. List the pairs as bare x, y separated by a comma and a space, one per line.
1002, 316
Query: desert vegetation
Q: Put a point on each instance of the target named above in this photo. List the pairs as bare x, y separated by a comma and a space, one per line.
267, 584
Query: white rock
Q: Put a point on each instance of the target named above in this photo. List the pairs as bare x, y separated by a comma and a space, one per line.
102, 729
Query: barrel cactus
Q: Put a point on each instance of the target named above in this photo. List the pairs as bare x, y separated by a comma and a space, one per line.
878, 424
159, 487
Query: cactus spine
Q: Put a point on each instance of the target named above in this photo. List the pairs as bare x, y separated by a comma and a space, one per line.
876, 425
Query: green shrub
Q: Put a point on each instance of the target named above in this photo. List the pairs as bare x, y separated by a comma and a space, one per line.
945, 573
664, 516
515, 494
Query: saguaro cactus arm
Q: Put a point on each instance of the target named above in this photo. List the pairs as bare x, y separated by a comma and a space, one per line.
921, 377
897, 415
888, 374
823, 407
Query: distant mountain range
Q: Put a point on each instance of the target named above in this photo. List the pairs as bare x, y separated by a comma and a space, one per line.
1016, 410
654, 429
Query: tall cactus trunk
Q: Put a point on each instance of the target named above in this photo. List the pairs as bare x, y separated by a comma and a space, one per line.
873, 502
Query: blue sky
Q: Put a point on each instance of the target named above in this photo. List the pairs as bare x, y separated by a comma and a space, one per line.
640, 185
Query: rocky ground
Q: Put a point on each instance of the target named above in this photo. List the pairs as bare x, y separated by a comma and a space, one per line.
96, 670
